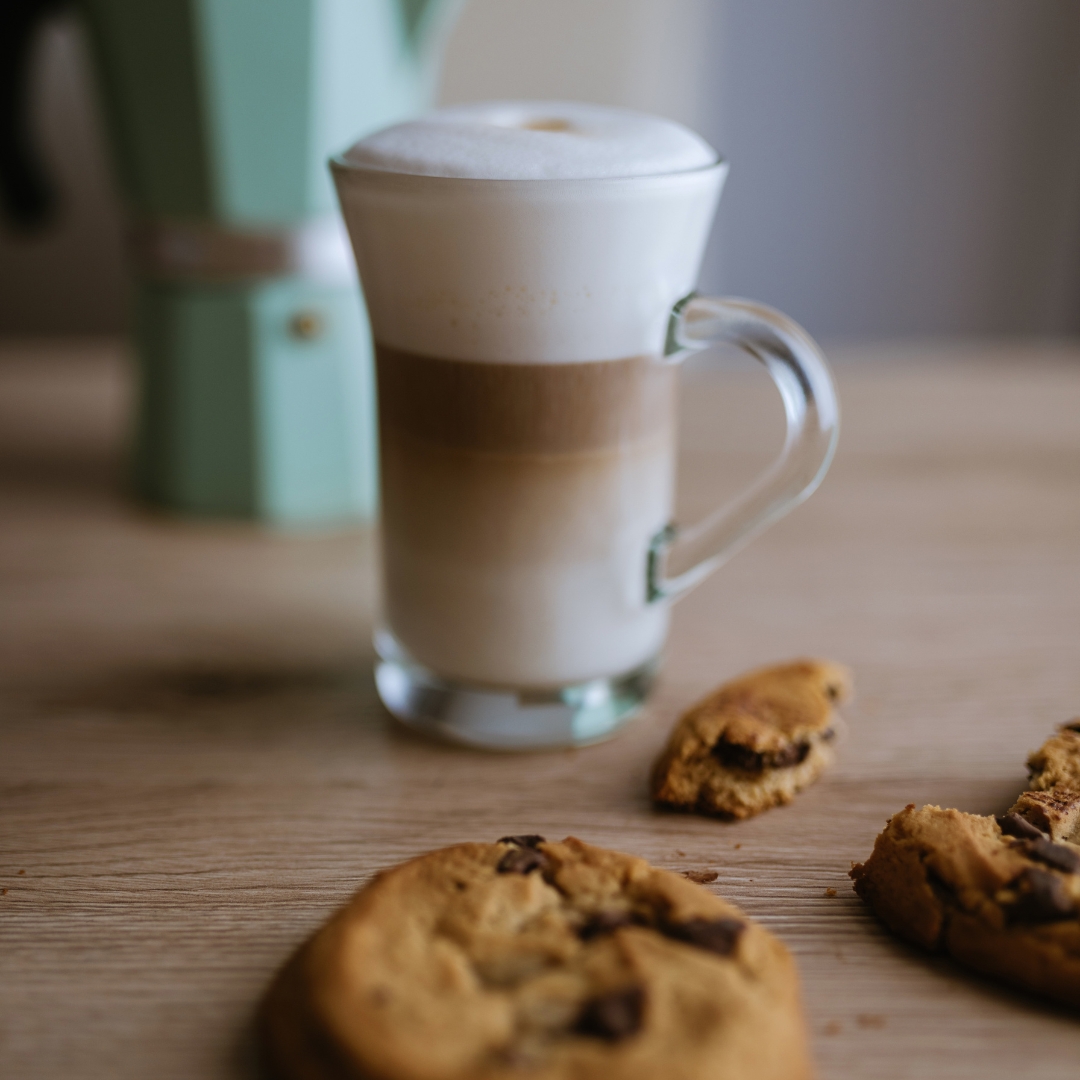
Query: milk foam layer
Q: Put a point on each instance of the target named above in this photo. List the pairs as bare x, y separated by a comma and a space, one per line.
533, 271
534, 140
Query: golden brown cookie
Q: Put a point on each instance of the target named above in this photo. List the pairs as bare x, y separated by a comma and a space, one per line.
549, 961
753, 743
996, 894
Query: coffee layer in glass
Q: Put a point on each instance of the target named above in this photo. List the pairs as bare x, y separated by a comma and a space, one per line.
518, 502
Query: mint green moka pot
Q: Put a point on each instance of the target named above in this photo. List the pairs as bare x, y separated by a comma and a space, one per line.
256, 395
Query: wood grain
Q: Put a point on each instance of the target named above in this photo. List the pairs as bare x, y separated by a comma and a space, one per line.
194, 769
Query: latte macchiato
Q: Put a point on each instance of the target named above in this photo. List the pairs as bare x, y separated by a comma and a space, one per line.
519, 263
529, 270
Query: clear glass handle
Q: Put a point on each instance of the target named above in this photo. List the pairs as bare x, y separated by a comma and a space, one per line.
681, 556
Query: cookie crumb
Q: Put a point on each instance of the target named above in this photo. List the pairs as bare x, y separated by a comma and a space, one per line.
737, 846
833, 1027
681, 854
21, 872
702, 877
830, 892
3, 892
870, 1020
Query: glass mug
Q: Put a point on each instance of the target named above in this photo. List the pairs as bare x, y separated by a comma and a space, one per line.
528, 335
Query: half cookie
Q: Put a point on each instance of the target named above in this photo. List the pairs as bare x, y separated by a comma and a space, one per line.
1056, 764
996, 894
754, 742
1001, 895
542, 960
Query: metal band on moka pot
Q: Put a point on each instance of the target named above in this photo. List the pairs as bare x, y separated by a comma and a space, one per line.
208, 252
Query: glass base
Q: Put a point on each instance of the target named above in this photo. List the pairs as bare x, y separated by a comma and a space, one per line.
493, 719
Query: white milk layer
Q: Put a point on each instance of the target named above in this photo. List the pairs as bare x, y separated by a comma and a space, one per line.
534, 269
526, 271
534, 140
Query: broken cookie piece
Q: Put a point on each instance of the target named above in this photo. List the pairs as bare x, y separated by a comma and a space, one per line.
753, 743
1052, 807
997, 895
1054, 813
1056, 764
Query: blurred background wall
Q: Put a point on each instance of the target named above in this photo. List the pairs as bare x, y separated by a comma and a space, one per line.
898, 168
902, 168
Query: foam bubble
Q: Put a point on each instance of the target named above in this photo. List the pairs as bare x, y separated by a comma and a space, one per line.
534, 140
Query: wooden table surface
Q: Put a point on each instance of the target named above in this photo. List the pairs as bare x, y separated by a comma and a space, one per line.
194, 768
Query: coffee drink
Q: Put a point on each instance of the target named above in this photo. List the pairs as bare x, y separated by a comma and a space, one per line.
529, 272
519, 264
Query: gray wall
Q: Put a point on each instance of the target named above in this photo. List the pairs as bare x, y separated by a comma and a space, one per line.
899, 166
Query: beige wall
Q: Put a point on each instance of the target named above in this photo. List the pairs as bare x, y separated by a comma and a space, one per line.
642, 54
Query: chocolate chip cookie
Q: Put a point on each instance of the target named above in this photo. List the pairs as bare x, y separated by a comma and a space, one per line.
525, 958
1001, 895
753, 743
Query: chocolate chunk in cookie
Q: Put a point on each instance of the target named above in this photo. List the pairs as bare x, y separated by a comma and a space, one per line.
735, 756
614, 1015
574, 970
604, 922
754, 742
1012, 824
715, 935
521, 860
1041, 897
1058, 856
